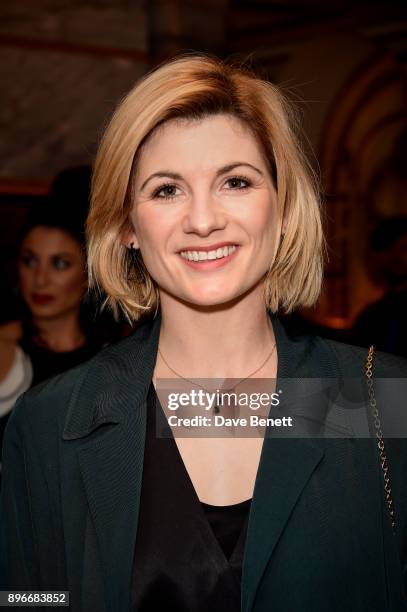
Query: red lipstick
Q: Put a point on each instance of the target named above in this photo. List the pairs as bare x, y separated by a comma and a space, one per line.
42, 298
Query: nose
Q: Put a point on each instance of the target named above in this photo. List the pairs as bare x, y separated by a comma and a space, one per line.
203, 216
41, 275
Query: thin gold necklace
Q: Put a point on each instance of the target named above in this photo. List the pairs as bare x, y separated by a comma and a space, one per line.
216, 407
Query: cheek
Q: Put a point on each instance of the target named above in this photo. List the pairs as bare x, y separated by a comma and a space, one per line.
154, 233
260, 219
25, 278
71, 284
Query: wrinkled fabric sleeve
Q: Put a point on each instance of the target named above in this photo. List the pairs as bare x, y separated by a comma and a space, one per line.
18, 554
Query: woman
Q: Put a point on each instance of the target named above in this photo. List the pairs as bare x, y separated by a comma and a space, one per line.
53, 319
50, 332
53, 283
204, 220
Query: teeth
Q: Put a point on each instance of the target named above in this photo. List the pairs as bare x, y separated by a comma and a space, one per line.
205, 255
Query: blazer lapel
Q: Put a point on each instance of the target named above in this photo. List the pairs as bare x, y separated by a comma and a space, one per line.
111, 459
285, 468
112, 474
286, 465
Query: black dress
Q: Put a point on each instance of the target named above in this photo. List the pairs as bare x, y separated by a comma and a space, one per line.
188, 555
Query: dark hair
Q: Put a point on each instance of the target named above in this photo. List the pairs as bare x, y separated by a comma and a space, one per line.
66, 207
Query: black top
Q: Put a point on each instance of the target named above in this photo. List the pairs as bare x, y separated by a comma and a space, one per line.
188, 555
46, 363
227, 523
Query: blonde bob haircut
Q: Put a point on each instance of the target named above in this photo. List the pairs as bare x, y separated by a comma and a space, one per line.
192, 88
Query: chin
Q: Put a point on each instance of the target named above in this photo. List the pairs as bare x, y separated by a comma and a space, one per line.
45, 312
207, 298
42, 311
213, 300
42, 315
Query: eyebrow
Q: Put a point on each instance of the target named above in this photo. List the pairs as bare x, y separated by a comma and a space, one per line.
178, 177
31, 252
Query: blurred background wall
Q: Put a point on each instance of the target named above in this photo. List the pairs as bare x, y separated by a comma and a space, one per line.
66, 63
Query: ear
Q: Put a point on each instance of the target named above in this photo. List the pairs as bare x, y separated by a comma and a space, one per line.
129, 237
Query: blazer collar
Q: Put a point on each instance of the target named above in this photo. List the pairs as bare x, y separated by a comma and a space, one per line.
102, 390
116, 373
105, 382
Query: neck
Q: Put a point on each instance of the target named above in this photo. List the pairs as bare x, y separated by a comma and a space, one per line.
226, 342
60, 334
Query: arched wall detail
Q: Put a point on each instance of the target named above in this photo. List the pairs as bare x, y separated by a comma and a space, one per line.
365, 121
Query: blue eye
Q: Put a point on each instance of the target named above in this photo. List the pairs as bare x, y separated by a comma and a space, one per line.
238, 182
60, 264
166, 192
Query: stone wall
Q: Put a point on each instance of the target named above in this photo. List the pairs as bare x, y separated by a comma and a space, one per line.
63, 66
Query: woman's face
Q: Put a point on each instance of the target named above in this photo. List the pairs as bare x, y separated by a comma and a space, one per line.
51, 272
205, 212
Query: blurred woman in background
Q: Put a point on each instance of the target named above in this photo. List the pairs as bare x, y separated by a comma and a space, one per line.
52, 328
52, 280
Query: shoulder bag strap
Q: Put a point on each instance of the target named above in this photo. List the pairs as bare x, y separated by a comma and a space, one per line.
379, 434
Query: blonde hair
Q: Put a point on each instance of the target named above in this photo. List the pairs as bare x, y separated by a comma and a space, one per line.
193, 87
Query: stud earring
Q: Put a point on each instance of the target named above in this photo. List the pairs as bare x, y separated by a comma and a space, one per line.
136, 271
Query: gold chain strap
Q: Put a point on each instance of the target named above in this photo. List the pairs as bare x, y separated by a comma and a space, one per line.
379, 434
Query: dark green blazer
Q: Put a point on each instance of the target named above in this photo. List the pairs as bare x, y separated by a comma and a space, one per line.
319, 536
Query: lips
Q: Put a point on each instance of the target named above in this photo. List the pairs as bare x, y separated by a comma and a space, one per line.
211, 247
42, 298
210, 264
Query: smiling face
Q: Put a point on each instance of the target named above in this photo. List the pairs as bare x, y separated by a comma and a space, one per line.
205, 211
52, 272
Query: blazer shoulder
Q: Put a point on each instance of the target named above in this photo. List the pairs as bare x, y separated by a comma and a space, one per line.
77, 393
48, 401
351, 359
62, 387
